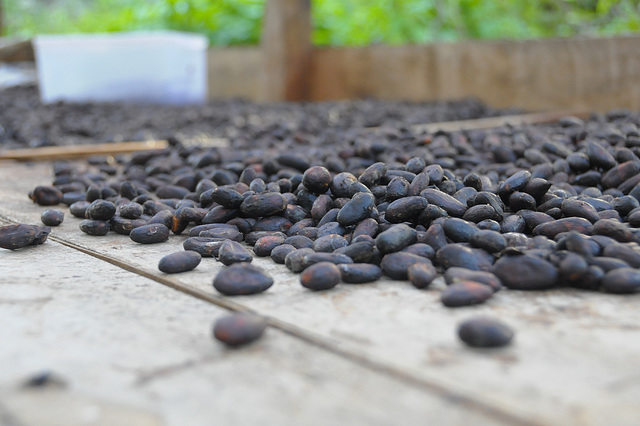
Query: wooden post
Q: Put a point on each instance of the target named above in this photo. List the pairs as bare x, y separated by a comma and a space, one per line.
286, 47
1, 19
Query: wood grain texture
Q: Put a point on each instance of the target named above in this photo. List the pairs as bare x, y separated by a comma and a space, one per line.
595, 74
574, 359
286, 47
235, 72
15, 50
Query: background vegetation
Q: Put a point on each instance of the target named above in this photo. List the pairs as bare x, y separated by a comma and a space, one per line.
336, 22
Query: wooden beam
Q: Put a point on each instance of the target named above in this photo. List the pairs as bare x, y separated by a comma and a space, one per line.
287, 49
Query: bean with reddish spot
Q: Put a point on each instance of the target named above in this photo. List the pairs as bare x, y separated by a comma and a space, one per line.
320, 276
239, 329
465, 293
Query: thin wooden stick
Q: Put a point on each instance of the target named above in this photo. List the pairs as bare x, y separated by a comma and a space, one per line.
80, 151
494, 122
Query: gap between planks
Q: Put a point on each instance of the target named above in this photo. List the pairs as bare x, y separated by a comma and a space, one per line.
440, 389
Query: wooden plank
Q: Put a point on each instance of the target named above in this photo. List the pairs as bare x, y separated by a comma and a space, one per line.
372, 71
142, 353
15, 50
235, 72
536, 75
574, 359
286, 44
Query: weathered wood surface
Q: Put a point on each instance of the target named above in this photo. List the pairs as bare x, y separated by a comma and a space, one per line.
136, 353
574, 360
235, 72
594, 74
15, 50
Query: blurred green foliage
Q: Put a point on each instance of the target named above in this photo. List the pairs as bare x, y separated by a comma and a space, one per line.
336, 22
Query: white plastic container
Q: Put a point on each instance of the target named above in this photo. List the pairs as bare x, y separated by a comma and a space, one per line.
159, 67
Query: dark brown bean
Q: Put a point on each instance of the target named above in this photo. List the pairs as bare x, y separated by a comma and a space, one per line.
150, 234
622, 281
320, 276
457, 274
242, 279
373, 174
233, 252
181, 261
405, 209
131, 210
52, 217
329, 243
452, 206
164, 217
316, 179
239, 329
124, 226
551, 229
299, 241
458, 230
614, 229
357, 209
17, 236
265, 245
313, 258
421, 249
421, 274
294, 260
220, 214
491, 241
46, 195
95, 227
358, 273
101, 210
482, 332
395, 238
227, 233
396, 265
195, 231
464, 293
578, 208
463, 256
252, 237
279, 253
264, 204
525, 272
206, 247
620, 173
